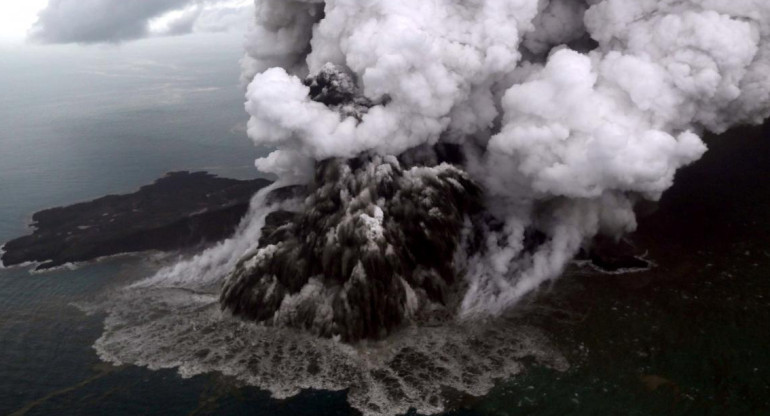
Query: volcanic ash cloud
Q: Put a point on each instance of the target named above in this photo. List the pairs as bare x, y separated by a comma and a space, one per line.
437, 161
473, 147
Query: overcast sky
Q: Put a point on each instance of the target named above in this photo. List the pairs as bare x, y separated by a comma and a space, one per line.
142, 55
116, 21
16, 17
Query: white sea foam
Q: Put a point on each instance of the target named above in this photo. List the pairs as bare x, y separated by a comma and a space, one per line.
173, 320
175, 327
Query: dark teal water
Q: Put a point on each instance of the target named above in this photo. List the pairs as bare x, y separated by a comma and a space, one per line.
687, 338
78, 125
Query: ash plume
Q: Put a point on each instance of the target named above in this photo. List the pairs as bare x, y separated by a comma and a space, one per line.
370, 244
437, 161
565, 112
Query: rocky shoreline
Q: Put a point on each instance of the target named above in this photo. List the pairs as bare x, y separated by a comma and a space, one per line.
179, 210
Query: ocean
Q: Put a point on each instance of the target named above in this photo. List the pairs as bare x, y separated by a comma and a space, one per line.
80, 126
686, 338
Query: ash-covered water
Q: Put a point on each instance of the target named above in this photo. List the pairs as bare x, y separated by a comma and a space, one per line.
179, 324
174, 320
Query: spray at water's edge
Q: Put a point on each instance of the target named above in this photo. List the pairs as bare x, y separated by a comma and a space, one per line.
566, 113
184, 329
209, 267
173, 320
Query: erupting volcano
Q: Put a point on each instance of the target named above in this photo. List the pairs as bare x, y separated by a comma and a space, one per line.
420, 130
436, 162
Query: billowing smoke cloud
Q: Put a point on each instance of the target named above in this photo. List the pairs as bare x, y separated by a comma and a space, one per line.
567, 112
112, 21
509, 133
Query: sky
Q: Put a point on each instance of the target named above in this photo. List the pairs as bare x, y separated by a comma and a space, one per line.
161, 55
116, 21
120, 39
16, 17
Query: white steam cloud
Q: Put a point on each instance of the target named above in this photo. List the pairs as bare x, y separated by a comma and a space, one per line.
568, 111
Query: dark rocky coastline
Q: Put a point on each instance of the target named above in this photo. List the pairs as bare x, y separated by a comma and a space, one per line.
180, 210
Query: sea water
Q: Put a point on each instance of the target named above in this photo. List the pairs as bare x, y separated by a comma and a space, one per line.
76, 126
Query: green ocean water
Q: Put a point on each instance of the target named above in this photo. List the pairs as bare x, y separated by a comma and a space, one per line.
689, 337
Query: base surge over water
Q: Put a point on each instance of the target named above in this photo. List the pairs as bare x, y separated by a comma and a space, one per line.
174, 320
